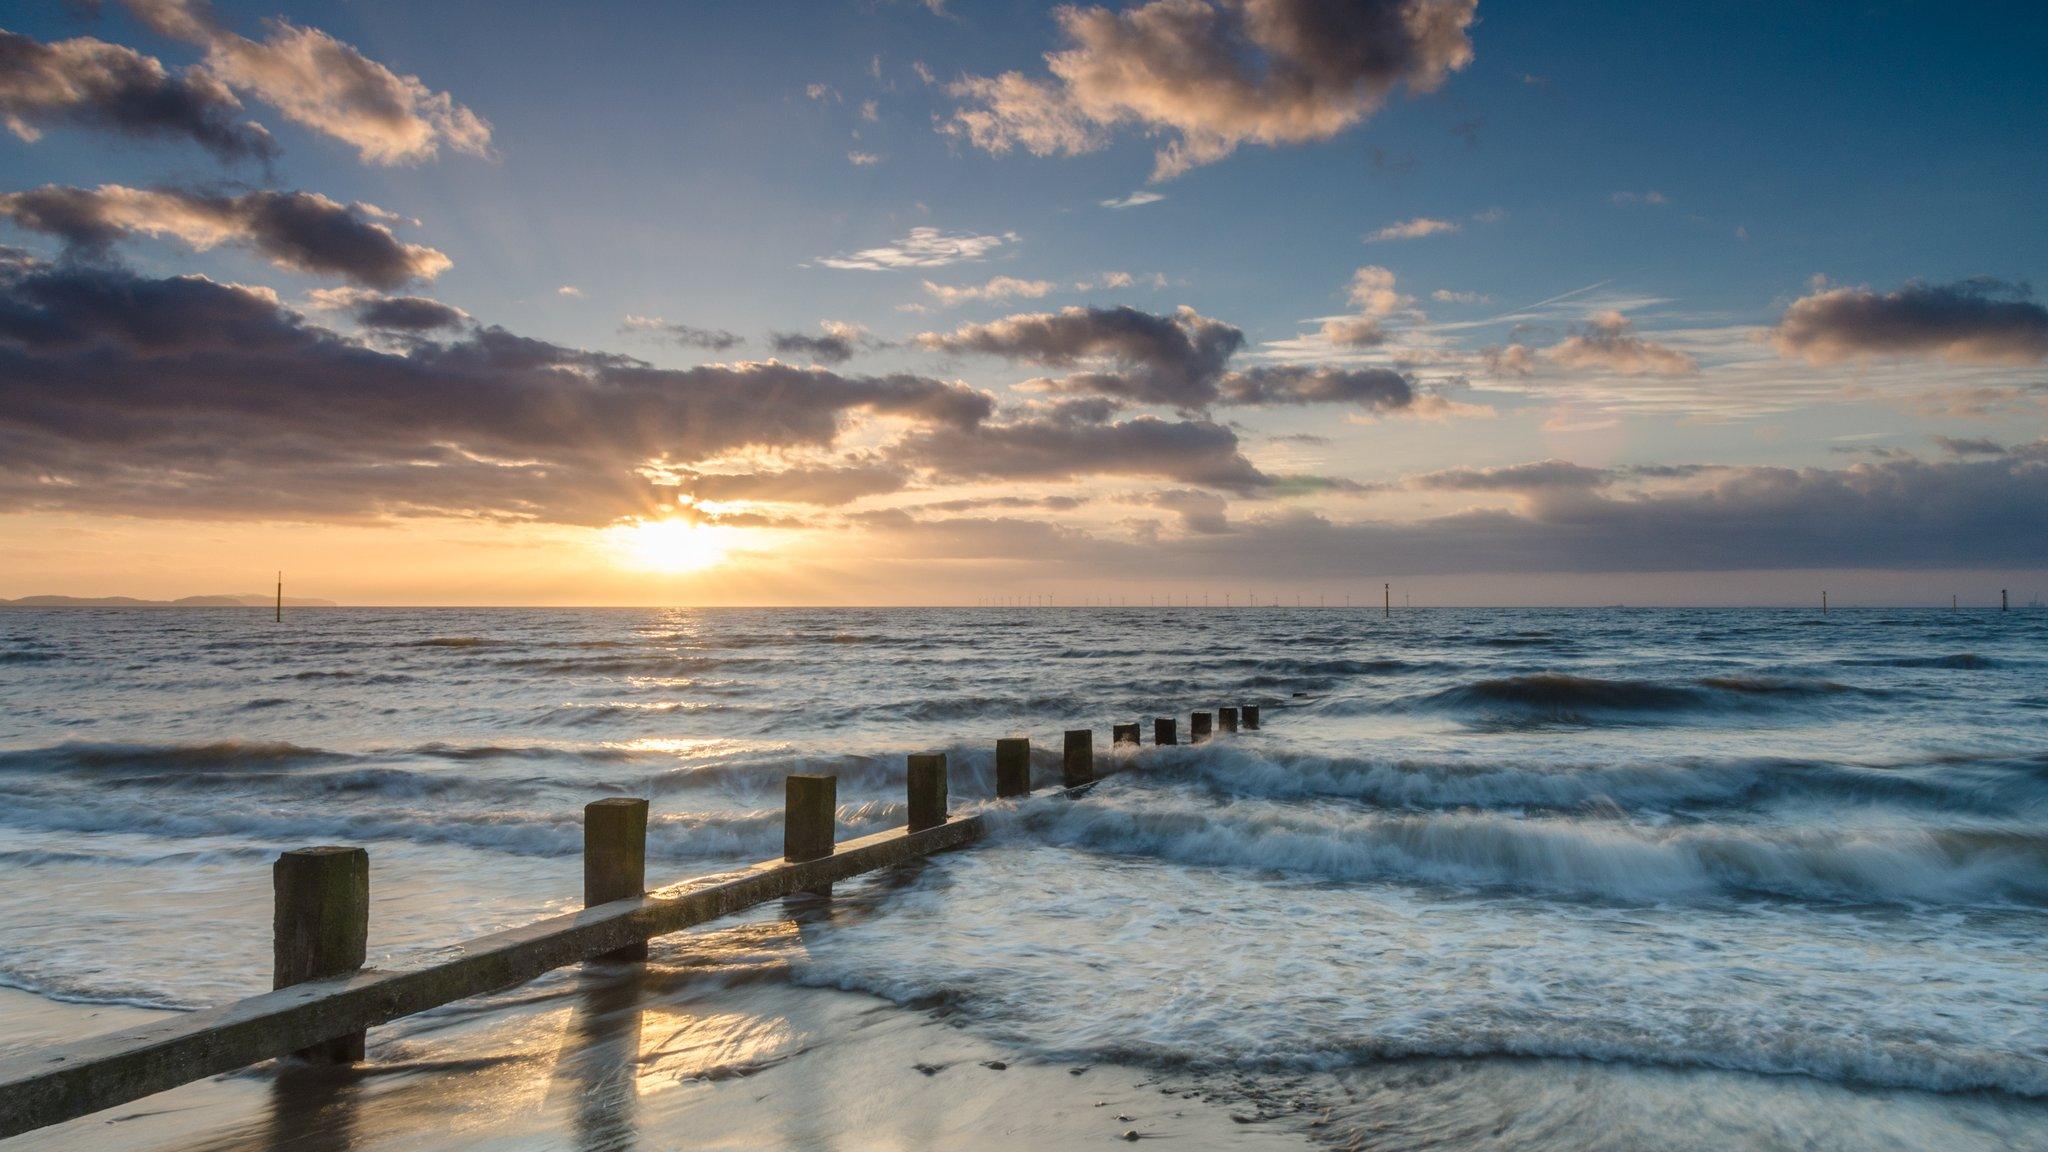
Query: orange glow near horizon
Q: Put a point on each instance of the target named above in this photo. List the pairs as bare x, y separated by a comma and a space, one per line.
670, 545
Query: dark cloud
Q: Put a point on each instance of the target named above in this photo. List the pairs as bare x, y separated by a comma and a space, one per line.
1541, 475
1050, 503
301, 231
1969, 447
1049, 448
1214, 74
682, 335
320, 83
1378, 389
1175, 359
133, 395
839, 343
1905, 514
89, 83
408, 314
1980, 321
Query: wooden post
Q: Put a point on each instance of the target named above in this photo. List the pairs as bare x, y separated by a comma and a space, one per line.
1198, 727
809, 821
927, 776
615, 858
1251, 717
1387, 602
2005, 600
1013, 766
1226, 718
1163, 733
320, 927
1077, 767
1124, 734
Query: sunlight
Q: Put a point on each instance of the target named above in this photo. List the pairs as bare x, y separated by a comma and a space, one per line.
670, 545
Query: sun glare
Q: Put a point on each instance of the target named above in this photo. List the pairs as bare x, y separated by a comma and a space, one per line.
670, 545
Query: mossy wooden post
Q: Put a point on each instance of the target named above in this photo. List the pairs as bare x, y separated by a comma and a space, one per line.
615, 858
1124, 734
1013, 766
1251, 717
927, 777
808, 821
1077, 767
320, 927
1163, 731
1226, 718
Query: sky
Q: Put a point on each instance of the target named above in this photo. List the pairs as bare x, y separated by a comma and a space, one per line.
960, 301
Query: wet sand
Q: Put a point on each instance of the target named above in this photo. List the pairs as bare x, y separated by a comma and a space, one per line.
685, 1053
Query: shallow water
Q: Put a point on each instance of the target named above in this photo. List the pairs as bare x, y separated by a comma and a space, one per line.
1761, 843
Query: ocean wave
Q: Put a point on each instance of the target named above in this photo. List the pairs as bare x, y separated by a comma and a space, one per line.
218, 754
1591, 859
28, 656
1656, 785
70, 992
1958, 660
1567, 697
460, 642
737, 837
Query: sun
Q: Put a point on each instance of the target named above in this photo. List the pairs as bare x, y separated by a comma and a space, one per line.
670, 545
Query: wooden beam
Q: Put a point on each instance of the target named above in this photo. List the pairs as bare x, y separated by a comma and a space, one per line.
50, 1086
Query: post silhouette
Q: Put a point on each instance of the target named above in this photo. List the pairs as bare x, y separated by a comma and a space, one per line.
320, 927
1077, 766
1013, 766
615, 858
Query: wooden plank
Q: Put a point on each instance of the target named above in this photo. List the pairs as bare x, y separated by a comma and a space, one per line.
38, 1089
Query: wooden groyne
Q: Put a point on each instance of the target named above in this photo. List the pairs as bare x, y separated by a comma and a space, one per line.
324, 1000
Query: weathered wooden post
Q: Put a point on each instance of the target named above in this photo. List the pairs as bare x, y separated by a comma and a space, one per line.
1124, 734
927, 776
1251, 717
615, 858
808, 821
1013, 766
1226, 718
1163, 733
320, 927
1198, 727
1077, 767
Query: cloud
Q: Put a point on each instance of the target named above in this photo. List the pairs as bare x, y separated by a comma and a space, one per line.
1904, 514
1053, 447
318, 82
1134, 200
1377, 389
997, 288
1632, 199
830, 485
1980, 321
568, 290
300, 231
924, 247
1200, 512
131, 395
841, 342
1372, 292
1608, 344
89, 83
682, 335
1175, 359
405, 315
863, 159
1447, 296
1962, 447
1214, 74
1538, 476
1414, 229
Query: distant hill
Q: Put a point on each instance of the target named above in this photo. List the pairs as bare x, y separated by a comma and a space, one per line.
247, 600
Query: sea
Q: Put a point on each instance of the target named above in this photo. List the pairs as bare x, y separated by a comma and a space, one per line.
1483, 878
